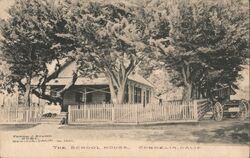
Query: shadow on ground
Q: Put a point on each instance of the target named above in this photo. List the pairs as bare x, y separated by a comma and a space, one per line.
236, 134
16, 127
224, 132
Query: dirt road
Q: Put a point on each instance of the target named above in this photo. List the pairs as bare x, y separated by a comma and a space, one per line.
226, 132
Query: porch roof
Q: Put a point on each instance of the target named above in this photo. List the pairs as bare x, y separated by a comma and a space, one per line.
79, 81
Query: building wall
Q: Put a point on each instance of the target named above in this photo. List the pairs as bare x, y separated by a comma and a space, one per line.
98, 97
69, 98
144, 89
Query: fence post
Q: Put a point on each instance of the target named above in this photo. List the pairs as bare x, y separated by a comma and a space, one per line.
137, 119
27, 115
113, 114
69, 114
88, 112
195, 110
8, 111
16, 114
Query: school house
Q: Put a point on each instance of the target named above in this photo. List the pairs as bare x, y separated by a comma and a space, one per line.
96, 90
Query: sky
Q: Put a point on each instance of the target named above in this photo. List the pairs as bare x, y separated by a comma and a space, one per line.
243, 84
4, 5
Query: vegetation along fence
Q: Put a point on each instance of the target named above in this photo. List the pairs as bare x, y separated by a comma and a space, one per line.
20, 114
135, 113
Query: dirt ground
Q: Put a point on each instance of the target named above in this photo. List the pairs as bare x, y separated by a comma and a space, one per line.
206, 131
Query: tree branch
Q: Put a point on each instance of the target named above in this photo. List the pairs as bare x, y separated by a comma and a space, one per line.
47, 97
21, 85
58, 69
113, 77
40, 90
71, 83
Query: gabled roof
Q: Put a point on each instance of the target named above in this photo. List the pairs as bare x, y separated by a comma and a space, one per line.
96, 81
80, 81
65, 77
138, 78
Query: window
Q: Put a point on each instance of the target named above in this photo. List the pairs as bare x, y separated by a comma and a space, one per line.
79, 97
53, 93
88, 97
126, 94
107, 97
137, 95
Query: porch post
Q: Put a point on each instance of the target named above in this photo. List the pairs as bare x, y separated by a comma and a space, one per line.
69, 114
85, 96
132, 93
129, 93
142, 95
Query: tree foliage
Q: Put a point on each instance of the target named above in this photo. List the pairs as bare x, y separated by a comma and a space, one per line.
113, 39
209, 40
30, 43
201, 43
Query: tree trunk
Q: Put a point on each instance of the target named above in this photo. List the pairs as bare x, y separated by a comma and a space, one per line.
27, 92
112, 92
118, 80
121, 94
117, 92
187, 92
194, 93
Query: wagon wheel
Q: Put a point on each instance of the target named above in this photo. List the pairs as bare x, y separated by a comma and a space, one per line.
243, 110
218, 111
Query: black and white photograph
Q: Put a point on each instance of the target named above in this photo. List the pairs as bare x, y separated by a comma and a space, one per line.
124, 79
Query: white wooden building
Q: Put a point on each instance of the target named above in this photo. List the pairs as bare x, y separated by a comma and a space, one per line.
96, 90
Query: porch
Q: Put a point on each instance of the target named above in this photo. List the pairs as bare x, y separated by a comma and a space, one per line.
77, 95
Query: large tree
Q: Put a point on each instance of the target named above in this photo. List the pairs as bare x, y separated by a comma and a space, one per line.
4, 73
209, 42
113, 38
30, 44
103, 37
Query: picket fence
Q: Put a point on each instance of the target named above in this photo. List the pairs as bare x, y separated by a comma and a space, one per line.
20, 114
172, 111
167, 112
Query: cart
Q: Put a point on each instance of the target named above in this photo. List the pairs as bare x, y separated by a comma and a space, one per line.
222, 106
